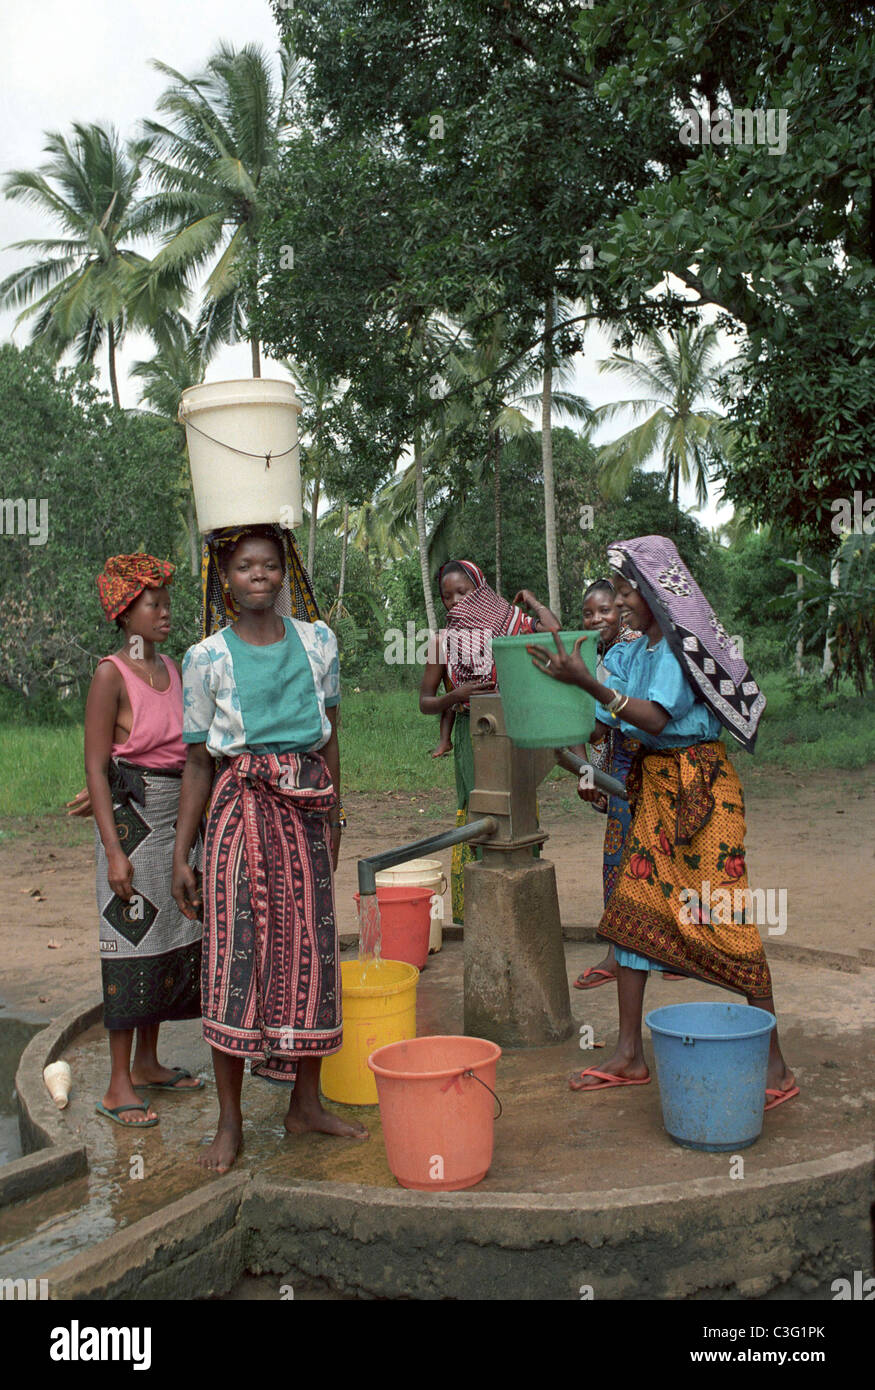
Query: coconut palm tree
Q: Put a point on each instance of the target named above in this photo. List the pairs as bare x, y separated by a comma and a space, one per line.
678, 373
501, 400
89, 285
209, 163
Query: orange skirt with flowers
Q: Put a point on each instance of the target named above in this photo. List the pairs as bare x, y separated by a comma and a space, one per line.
682, 895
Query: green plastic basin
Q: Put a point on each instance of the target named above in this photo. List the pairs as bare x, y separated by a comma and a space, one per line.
540, 712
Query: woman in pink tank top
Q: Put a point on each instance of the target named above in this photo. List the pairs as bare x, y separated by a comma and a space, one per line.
134, 755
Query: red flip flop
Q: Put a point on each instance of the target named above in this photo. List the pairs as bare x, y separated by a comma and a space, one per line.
780, 1097
593, 970
608, 1080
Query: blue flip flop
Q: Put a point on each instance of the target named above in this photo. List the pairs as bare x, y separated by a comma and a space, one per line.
114, 1114
179, 1074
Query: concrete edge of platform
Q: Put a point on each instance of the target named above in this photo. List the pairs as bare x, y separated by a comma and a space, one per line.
51, 1154
192, 1248
25, 1177
675, 1240
784, 1231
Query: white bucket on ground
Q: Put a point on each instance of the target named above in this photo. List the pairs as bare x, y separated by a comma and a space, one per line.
232, 428
421, 873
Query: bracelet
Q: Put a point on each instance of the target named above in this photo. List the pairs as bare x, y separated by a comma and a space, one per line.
614, 704
622, 705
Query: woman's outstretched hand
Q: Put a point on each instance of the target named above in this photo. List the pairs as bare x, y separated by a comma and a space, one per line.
547, 621
568, 667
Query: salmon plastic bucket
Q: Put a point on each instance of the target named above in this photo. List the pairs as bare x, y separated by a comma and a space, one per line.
437, 1099
405, 922
420, 873
379, 1007
540, 712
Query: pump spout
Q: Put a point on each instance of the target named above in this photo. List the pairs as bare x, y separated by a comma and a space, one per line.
367, 868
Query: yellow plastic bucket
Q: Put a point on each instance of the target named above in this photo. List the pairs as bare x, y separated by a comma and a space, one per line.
379, 1007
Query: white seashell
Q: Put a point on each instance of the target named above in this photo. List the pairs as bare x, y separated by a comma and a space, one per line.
59, 1080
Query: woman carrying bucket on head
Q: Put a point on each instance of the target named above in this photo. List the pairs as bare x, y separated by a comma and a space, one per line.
261, 697
673, 689
475, 614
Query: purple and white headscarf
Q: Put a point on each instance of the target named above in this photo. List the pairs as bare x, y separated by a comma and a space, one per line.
712, 663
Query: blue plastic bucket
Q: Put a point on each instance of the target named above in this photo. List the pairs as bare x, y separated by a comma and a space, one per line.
711, 1061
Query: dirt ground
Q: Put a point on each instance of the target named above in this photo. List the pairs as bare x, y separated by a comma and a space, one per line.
811, 835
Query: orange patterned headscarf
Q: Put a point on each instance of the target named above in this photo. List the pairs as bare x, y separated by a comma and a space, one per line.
125, 577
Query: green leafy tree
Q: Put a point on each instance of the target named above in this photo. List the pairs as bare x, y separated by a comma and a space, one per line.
108, 480
175, 367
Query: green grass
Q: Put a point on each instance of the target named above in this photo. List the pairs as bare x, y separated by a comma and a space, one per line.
385, 745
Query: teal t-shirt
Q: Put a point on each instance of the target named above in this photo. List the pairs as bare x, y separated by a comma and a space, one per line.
277, 696
274, 698
654, 673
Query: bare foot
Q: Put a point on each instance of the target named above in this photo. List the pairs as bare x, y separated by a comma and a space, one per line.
221, 1153
442, 750
621, 1064
302, 1121
147, 1076
126, 1095
779, 1077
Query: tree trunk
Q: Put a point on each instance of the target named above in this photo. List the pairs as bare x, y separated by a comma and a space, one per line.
113, 380
256, 356
496, 482
311, 539
342, 585
194, 548
421, 533
675, 481
828, 664
547, 462
800, 644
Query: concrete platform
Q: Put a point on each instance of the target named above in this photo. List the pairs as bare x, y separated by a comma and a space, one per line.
585, 1191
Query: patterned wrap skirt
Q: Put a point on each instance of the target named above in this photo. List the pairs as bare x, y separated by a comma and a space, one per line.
150, 953
681, 897
618, 762
271, 972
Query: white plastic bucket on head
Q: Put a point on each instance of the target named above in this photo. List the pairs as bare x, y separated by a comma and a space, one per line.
242, 439
421, 873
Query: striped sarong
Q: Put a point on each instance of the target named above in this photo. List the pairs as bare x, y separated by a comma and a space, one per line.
271, 973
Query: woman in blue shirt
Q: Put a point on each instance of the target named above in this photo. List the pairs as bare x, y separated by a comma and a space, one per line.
682, 901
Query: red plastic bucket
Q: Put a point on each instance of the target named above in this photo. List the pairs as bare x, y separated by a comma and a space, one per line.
405, 921
437, 1097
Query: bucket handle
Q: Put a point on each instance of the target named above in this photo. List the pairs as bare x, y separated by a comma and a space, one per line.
454, 1081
